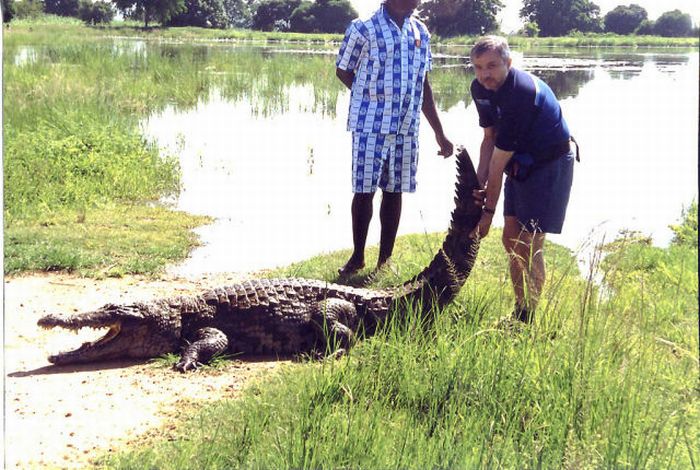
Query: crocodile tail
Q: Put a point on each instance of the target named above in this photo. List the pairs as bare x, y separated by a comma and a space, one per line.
443, 278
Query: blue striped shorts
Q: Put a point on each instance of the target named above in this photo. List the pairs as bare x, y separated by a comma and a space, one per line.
387, 161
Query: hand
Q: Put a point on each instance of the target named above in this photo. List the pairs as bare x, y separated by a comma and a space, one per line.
446, 147
482, 229
479, 196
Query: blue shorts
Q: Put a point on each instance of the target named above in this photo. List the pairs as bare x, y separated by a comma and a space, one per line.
387, 161
540, 201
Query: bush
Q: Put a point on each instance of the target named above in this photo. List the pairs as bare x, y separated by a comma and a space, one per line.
686, 233
29, 9
95, 13
8, 10
530, 30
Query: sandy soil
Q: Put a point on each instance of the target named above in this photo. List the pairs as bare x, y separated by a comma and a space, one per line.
62, 417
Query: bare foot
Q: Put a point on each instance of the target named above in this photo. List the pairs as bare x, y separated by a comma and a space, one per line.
351, 267
382, 263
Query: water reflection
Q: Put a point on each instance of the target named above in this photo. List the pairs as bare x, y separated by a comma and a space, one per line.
565, 84
268, 156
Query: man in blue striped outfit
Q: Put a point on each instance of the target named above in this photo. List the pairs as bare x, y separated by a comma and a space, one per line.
384, 61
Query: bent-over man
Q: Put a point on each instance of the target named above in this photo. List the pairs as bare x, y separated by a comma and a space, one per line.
525, 136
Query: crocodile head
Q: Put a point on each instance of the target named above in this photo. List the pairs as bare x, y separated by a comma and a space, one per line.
139, 330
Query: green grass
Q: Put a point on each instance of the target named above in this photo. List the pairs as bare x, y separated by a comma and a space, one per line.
606, 377
110, 240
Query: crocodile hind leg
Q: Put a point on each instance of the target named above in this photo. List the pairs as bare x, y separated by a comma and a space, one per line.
334, 319
207, 343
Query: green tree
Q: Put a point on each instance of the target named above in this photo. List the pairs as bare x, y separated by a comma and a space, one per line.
150, 10
8, 10
646, 28
674, 24
202, 13
624, 19
322, 16
239, 13
97, 12
559, 18
62, 7
457, 17
271, 12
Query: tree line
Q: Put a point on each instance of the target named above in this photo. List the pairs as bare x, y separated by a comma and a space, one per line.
444, 17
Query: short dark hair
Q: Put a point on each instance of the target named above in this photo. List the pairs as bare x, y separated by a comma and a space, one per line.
491, 43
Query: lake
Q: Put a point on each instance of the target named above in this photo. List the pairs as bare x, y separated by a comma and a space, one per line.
267, 155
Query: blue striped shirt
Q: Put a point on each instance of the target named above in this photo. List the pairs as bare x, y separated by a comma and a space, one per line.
390, 64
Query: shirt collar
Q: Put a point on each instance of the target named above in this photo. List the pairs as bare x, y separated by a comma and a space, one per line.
388, 17
507, 84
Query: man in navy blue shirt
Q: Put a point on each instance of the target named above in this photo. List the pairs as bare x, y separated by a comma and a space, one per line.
525, 136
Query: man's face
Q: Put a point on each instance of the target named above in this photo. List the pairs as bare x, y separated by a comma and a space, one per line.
491, 70
404, 6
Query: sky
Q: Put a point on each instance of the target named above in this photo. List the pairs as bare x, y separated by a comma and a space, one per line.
511, 22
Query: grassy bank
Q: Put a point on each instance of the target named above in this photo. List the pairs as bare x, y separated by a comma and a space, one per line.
59, 26
605, 378
105, 241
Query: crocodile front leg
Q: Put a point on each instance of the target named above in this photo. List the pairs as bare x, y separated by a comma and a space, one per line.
207, 343
334, 319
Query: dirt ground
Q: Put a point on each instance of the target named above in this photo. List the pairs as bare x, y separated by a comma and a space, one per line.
62, 417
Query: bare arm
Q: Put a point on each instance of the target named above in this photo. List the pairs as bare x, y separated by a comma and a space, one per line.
499, 160
345, 76
430, 112
486, 150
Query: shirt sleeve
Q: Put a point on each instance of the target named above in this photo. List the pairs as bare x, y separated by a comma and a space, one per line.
429, 60
351, 48
486, 118
425, 36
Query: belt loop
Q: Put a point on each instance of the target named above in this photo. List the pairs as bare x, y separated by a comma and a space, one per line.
578, 158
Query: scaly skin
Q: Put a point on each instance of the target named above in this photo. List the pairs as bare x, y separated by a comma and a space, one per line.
277, 316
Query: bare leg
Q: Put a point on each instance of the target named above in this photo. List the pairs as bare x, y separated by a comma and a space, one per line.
390, 216
361, 216
527, 267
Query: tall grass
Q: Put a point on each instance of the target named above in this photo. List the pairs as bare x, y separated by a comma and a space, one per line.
599, 380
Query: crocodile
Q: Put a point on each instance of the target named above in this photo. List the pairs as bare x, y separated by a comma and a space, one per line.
286, 316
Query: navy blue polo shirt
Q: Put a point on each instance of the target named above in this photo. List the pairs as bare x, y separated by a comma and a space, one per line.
525, 113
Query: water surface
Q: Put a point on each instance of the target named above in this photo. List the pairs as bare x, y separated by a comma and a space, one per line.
271, 161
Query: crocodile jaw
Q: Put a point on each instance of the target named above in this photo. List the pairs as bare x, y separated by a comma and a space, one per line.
90, 350
135, 331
